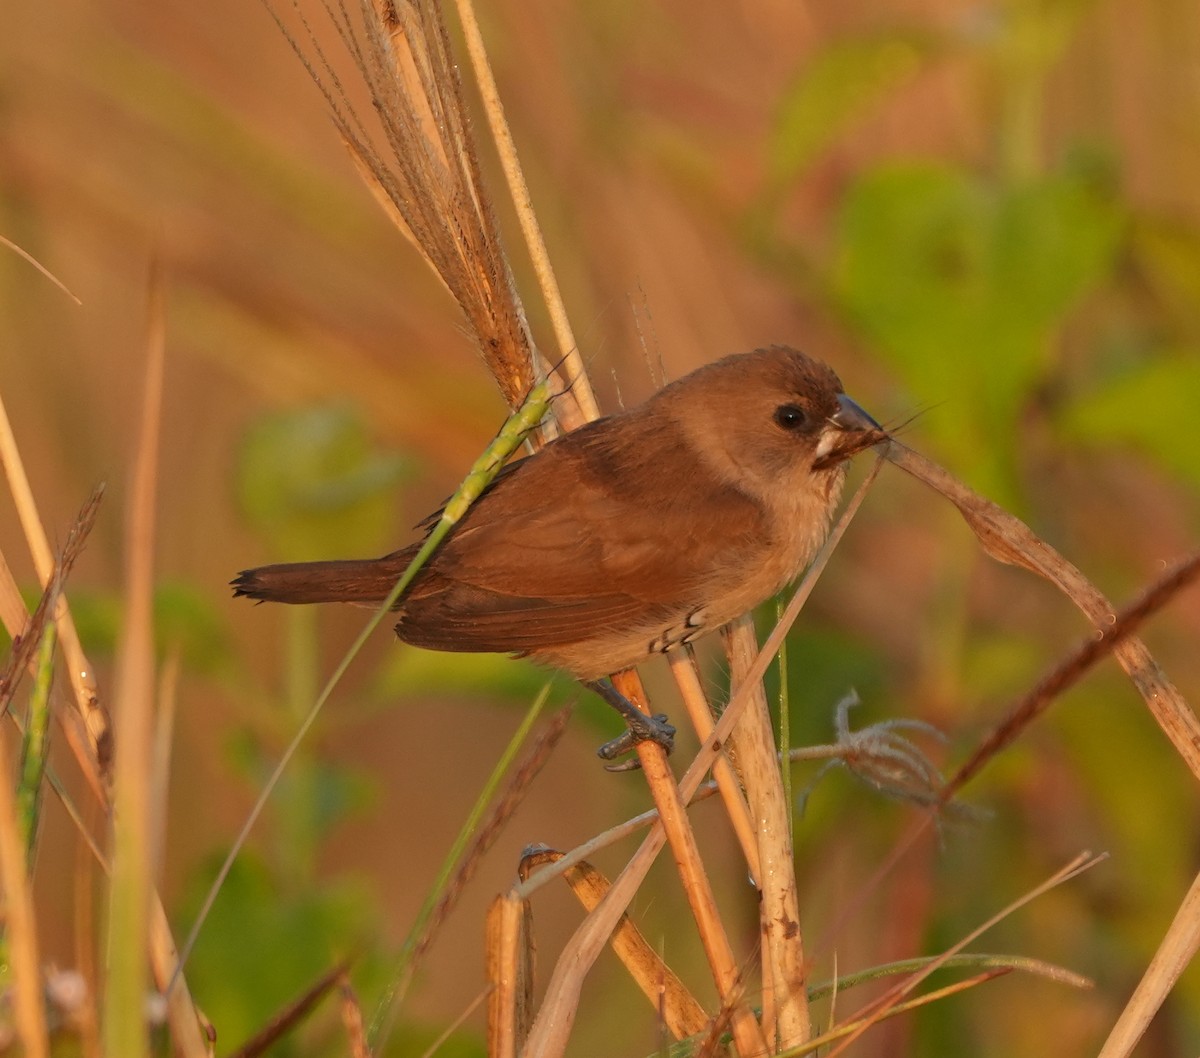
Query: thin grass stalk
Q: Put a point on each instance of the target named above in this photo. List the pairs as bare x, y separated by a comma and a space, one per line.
878, 1008
25, 974
1007, 539
1173, 956
36, 744
697, 889
687, 680
511, 436
82, 677
129, 914
493, 106
404, 966
785, 724
784, 971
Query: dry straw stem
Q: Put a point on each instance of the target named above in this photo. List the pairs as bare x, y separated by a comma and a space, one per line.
136, 916
1007, 539
681, 1012
83, 682
129, 899
753, 742
673, 818
494, 109
687, 679
1173, 956
508, 954
878, 1008
26, 256
25, 974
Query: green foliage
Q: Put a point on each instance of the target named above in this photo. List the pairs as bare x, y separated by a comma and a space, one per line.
311, 482
833, 89
1150, 408
962, 285
265, 943
185, 619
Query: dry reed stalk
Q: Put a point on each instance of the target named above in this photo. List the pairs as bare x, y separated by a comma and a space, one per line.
25, 975
681, 1012
1007, 539
673, 819
784, 972
96, 760
130, 885
1173, 956
687, 679
508, 952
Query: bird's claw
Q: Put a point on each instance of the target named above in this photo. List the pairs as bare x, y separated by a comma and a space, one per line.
642, 728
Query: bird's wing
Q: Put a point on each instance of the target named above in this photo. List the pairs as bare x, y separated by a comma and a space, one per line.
578, 541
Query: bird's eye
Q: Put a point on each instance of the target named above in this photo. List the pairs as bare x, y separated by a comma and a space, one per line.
789, 417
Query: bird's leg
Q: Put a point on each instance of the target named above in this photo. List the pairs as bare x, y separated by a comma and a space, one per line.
641, 728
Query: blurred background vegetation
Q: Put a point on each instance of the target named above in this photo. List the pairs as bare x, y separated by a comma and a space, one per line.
987, 213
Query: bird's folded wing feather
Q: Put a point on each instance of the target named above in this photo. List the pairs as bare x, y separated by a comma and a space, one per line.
536, 564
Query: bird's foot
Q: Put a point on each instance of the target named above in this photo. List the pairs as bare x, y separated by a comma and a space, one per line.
640, 728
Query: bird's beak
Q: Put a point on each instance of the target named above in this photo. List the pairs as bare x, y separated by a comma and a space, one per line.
850, 416
850, 430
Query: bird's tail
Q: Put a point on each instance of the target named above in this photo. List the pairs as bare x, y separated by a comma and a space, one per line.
356, 580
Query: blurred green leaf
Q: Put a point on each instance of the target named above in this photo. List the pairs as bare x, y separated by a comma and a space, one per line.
1167, 253
407, 670
261, 946
833, 89
1149, 409
962, 285
184, 618
312, 484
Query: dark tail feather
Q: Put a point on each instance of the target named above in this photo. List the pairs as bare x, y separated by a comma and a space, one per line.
357, 580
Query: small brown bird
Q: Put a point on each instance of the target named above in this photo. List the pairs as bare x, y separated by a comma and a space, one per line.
630, 536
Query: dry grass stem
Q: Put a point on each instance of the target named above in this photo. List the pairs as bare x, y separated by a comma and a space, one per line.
508, 953
291, 1015
20, 924
696, 887
582, 406
1174, 955
784, 970
681, 1012
26, 256
687, 679
878, 1008
1007, 539
83, 682
442, 1037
